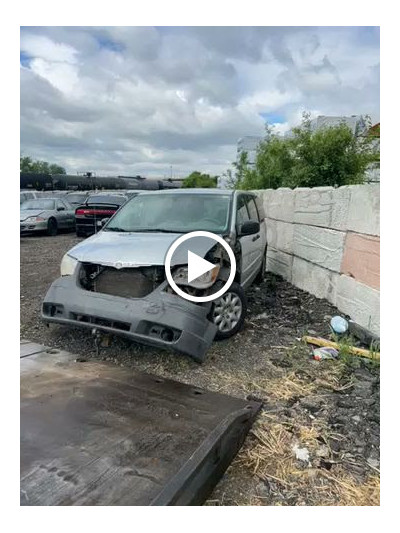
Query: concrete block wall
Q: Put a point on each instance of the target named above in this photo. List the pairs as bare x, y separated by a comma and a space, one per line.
326, 241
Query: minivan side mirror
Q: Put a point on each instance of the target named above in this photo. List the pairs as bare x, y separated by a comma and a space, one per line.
60, 208
249, 227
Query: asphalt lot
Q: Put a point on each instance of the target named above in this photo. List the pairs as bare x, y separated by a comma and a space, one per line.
307, 403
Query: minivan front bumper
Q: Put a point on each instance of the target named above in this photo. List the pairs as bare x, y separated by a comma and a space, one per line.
160, 319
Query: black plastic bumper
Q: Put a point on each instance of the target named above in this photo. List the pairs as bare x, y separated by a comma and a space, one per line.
160, 319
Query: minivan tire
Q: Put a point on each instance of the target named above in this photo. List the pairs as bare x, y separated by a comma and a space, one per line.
229, 311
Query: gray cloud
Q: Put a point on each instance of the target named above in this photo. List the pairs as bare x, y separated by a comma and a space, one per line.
140, 99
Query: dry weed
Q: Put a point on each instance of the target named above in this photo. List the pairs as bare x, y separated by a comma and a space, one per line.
269, 455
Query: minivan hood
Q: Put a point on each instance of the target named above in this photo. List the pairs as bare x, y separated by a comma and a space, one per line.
123, 250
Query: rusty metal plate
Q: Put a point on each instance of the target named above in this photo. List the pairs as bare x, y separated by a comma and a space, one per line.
96, 434
30, 348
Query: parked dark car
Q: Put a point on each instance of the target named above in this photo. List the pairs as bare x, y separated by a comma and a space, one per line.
77, 198
98, 206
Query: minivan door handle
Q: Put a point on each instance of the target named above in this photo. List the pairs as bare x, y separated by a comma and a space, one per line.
255, 237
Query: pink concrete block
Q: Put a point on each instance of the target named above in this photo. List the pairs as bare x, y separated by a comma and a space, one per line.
361, 259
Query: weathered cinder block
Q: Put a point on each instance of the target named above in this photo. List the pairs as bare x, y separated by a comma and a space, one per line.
271, 232
360, 302
279, 204
265, 196
340, 207
279, 263
361, 259
363, 216
314, 279
313, 206
280, 235
285, 232
320, 246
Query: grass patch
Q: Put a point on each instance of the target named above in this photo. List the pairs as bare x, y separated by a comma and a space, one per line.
346, 343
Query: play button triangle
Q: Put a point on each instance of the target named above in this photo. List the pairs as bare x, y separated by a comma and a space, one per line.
197, 266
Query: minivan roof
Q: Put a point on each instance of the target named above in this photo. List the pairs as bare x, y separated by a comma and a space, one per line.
215, 192
220, 192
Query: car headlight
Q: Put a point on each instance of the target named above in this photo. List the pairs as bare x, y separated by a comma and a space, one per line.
180, 276
34, 219
68, 265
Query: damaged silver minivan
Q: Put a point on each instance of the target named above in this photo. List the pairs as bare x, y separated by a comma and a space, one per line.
115, 280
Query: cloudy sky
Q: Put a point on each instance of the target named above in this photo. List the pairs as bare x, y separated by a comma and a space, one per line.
139, 100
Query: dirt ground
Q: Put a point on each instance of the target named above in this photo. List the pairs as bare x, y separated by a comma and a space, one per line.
316, 441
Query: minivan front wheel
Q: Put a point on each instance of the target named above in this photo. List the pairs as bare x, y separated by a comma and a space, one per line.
229, 311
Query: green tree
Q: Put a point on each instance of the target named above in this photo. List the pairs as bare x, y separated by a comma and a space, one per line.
198, 180
329, 156
241, 173
28, 165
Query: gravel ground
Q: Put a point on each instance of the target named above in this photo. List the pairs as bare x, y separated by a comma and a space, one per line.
329, 408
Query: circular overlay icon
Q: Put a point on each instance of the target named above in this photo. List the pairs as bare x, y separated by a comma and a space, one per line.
198, 265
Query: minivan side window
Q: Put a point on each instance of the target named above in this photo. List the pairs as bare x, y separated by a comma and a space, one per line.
251, 206
242, 214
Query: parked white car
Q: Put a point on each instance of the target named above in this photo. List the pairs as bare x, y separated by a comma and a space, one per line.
46, 215
26, 195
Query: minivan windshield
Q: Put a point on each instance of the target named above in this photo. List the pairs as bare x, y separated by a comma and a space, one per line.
173, 213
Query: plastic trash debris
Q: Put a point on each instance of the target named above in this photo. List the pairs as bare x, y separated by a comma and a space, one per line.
325, 353
302, 454
262, 316
339, 324
316, 341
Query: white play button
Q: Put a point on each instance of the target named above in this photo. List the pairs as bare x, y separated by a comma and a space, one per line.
197, 266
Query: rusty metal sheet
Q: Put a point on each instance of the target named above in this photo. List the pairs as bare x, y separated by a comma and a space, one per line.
30, 348
96, 434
